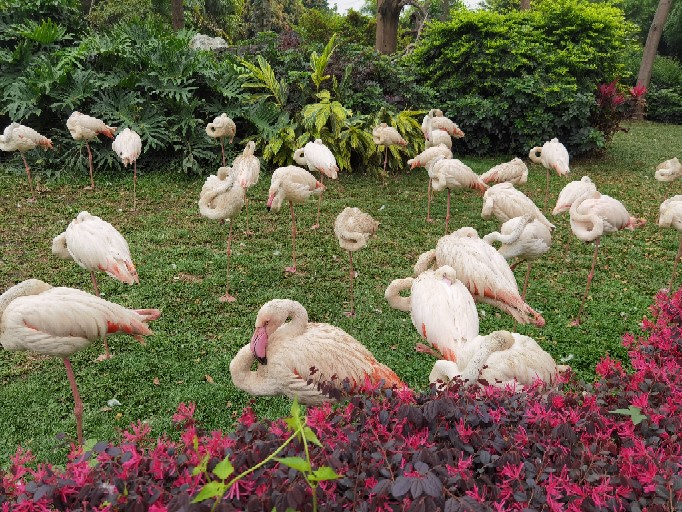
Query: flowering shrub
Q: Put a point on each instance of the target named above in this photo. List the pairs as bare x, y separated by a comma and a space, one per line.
611, 445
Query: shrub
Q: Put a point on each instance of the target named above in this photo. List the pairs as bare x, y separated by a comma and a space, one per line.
611, 445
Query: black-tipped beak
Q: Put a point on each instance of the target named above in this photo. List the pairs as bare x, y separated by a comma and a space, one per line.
267, 208
262, 360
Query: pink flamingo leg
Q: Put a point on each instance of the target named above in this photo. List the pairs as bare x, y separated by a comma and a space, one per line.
447, 215
28, 172
351, 276
227, 297
135, 185
546, 192
292, 269
525, 287
246, 201
78, 403
319, 206
92, 181
385, 159
576, 322
428, 203
677, 260
107, 354
222, 148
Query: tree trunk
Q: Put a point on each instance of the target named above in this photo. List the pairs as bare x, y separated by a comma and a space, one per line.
388, 17
177, 15
85, 7
525, 5
445, 10
650, 48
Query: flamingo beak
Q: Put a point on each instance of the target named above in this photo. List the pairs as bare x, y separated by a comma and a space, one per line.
414, 164
271, 198
319, 184
259, 343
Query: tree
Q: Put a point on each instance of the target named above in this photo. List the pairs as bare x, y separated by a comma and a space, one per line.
388, 19
177, 15
525, 5
652, 40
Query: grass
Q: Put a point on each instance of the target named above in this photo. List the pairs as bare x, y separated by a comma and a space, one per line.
180, 257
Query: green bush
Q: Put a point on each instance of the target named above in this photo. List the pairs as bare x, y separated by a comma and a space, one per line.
664, 104
514, 80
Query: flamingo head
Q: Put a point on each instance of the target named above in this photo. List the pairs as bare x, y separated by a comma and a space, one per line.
259, 343
318, 184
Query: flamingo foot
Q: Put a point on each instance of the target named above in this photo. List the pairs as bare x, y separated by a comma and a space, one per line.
31, 200
88, 187
248, 232
575, 323
227, 298
429, 219
103, 357
290, 270
349, 314
314, 226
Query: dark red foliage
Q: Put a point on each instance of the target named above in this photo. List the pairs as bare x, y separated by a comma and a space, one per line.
461, 450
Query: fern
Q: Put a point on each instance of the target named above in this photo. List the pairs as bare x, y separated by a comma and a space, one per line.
263, 77
20, 100
46, 33
319, 64
77, 90
317, 115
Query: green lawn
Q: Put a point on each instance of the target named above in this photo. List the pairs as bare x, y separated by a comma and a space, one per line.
180, 257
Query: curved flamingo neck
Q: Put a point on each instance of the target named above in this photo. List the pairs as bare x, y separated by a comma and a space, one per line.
298, 321
28, 287
586, 226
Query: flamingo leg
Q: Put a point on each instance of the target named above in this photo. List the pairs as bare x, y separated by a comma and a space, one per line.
28, 173
525, 287
222, 148
351, 277
319, 206
246, 202
78, 403
385, 162
135, 185
677, 260
227, 297
92, 181
428, 203
546, 191
576, 322
292, 269
447, 215
107, 354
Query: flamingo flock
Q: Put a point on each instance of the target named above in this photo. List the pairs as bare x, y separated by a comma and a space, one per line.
319, 362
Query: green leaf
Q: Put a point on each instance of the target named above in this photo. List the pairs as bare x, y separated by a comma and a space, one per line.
297, 463
310, 436
210, 490
202, 466
223, 469
635, 414
324, 473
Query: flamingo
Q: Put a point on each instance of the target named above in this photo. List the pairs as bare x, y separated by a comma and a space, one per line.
504, 202
17, 137
384, 135
671, 216
669, 170
571, 192
128, 147
221, 127
58, 322
483, 270
353, 228
295, 185
317, 157
552, 155
305, 361
424, 159
434, 112
435, 120
451, 173
501, 359
87, 128
441, 307
221, 199
247, 167
514, 172
593, 215
94, 245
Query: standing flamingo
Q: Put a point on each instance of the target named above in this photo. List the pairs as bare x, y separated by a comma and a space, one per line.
593, 215
671, 216
483, 270
317, 157
441, 307
221, 199
287, 352
434, 112
514, 172
436, 121
18, 137
247, 169
384, 135
128, 147
353, 228
552, 155
60, 321
295, 185
94, 245
451, 173
221, 127
504, 202
571, 192
424, 159
87, 128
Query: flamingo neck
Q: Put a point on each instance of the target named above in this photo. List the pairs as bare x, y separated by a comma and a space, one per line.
28, 287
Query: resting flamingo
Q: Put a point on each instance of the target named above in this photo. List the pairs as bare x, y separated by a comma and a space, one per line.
295, 185
514, 172
552, 155
571, 192
87, 128
435, 121
128, 147
287, 352
384, 135
247, 168
221, 127
317, 157
17, 137
58, 322
424, 159
222, 199
441, 307
671, 216
669, 170
504, 202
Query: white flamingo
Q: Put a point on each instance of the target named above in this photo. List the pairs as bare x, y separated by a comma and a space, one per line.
504, 202
552, 155
222, 199
384, 135
424, 159
87, 128
669, 170
318, 158
17, 137
247, 167
221, 127
295, 185
671, 217
58, 322
353, 228
571, 192
514, 172
287, 352
128, 147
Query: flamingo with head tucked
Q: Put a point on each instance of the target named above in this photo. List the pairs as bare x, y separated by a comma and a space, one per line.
87, 128
317, 157
514, 172
221, 127
552, 155
505, 202
424, 159
384, 135
671, 216
247, 168
17, 137
128, 147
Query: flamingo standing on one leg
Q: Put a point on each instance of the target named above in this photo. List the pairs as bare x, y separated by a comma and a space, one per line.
128, 147
353, 228
221, 127
17, 137
87, 128
295, 185
552, 155
222, 199
317, 157
384, 135
247, 169
57, 322
671, 216
514, 172
94, 245
505, 202
424, 159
